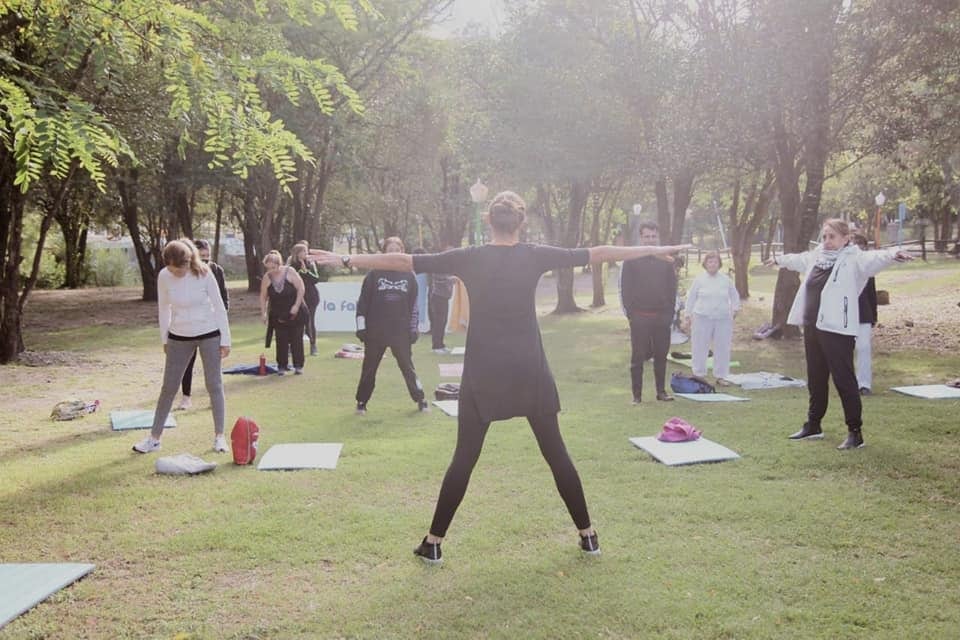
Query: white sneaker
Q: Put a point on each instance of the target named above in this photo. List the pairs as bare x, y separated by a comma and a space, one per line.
220, 444
185, 404
441, 350
147, 445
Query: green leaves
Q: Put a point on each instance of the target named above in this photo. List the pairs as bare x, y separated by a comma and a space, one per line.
220, 68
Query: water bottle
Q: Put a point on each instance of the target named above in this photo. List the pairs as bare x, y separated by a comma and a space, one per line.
263, 365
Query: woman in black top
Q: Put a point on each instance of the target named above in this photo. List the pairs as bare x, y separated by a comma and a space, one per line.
505, 372
387, 316
285, 314
307, 270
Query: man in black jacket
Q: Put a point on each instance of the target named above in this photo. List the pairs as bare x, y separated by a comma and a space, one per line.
648, 291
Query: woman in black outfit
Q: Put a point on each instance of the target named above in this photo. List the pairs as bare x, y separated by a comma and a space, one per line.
307, 270
505, 371
281, 305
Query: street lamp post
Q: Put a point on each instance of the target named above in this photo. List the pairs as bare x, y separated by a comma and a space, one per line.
879, 200
478, 193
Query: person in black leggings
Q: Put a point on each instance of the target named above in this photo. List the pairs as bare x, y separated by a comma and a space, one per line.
186, 385
505, 371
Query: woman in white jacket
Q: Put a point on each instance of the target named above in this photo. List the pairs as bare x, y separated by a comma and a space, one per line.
826, 307
712, 304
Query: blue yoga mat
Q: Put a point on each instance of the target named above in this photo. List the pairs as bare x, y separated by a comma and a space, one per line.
125, 420
23, 586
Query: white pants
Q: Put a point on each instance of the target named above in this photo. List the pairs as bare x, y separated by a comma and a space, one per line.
705, 331
863, 355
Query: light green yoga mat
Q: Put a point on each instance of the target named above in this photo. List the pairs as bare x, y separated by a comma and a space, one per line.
689, 363
125, 420
23, 586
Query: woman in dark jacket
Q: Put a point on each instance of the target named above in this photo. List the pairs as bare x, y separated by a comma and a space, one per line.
387, 316
505, 371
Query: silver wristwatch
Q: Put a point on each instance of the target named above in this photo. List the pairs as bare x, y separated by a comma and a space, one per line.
345, 259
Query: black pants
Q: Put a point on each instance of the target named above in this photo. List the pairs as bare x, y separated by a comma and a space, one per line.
438, 309
187, 383
373, 354
471, 431
831, 354
649, 337
310, 326
289, 337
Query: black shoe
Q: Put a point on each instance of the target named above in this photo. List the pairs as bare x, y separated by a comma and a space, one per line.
590, 545
854, 441
423, 407
664, 396
808, 432
865, 391
361, 408
429, 553
636, 400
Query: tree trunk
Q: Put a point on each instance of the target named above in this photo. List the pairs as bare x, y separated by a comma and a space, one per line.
579, 192
127, 188
11, 244
682, 194
221, 197
663, 208
251, 235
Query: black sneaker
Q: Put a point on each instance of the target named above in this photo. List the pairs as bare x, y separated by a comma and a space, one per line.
429, 553
663, 396
590, 545
854, 441
361, 408
865, 391
636, 400
423, 406
808, 432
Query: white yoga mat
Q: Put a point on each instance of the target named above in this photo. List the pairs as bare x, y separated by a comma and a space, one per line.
679, 453
301, 455
124, 420
23, 586
451, 369
458, 351
688, 362
711, 397
764, 380
930, 391
449, 407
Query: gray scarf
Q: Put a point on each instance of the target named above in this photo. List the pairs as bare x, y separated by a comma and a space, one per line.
827, 259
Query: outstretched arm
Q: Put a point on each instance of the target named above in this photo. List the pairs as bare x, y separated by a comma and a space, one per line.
386, 261
610, 253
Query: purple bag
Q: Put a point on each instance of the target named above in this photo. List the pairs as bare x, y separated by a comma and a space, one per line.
678, 430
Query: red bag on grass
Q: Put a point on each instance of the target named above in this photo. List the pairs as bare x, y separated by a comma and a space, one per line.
243, 439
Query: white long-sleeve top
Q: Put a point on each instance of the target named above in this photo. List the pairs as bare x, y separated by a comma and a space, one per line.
713, 296
191, 306
839, 308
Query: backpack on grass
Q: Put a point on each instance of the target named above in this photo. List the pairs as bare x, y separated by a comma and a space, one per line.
683, 383
244, 439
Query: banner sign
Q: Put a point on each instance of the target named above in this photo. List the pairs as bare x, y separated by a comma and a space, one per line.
337, 310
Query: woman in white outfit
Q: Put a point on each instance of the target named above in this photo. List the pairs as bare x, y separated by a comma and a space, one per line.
826, 306
712, 304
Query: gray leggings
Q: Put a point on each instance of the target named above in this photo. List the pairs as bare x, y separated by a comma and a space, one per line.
179, 353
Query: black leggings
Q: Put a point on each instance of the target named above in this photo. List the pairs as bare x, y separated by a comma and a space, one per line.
471, 431
187, 383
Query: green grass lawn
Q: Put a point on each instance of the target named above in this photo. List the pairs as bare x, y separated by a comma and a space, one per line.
794, 540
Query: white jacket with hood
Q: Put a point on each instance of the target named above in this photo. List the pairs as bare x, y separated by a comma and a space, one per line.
839, 310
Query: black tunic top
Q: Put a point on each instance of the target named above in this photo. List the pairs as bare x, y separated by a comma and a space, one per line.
505, 371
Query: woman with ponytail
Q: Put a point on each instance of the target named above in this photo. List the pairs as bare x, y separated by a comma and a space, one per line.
192, 317
505, 371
